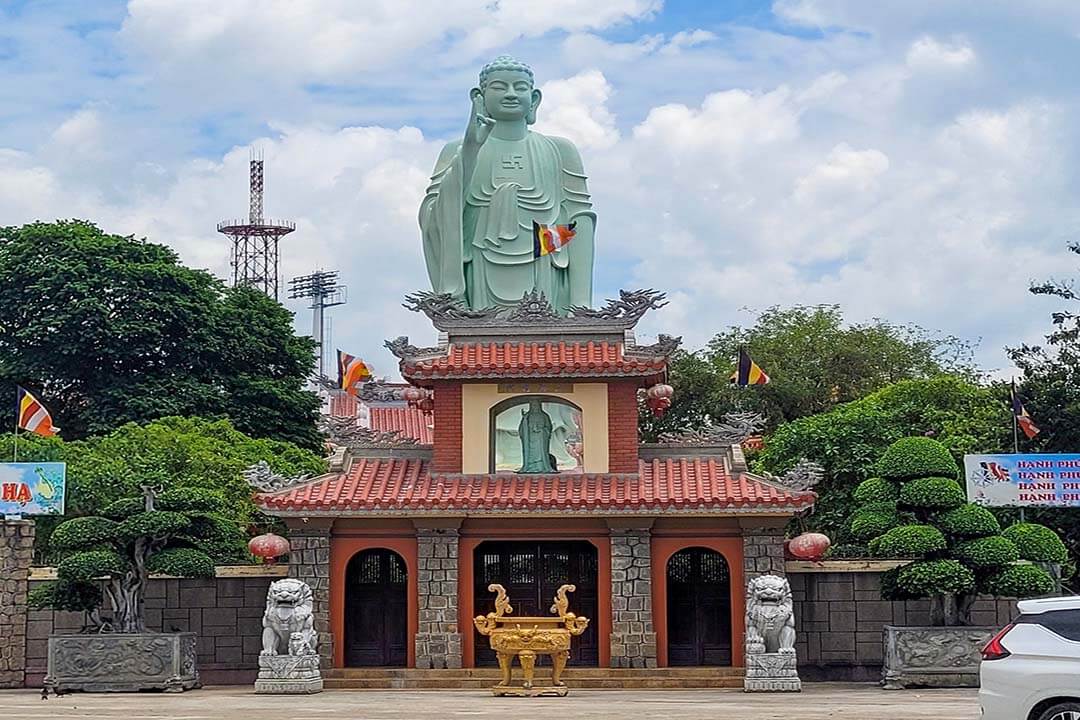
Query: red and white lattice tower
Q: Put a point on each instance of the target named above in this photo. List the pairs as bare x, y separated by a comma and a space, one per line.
254, 254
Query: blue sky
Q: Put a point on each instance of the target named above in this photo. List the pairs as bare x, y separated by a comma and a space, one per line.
914, 160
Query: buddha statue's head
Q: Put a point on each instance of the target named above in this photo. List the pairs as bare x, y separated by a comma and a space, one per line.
507, 90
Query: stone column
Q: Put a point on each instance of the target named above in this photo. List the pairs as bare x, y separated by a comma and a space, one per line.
763, 550
16, 555
633, 637
309, 560
438, 639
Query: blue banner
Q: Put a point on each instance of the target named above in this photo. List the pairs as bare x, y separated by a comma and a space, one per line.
32, 488
1043, 480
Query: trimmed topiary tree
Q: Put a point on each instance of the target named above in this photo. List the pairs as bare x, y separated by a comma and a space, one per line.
109, 557
916, 510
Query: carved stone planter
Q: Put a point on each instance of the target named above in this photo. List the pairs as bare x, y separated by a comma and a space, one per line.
933, 656
122, 662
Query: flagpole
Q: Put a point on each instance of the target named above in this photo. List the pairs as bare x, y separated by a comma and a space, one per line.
1016, 432
16, 440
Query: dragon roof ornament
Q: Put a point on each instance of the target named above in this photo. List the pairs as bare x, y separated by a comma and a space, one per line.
734, 428
534, 311
803, 477
347, 432
263, 479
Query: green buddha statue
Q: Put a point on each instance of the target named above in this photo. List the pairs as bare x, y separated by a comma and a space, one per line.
535, 431
487, 190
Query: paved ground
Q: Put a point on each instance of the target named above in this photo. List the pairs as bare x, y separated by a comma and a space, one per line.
820, 701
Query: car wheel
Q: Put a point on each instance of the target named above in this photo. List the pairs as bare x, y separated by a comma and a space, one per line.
1061, 711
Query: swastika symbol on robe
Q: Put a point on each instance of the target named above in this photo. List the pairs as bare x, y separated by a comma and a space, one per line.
513, 162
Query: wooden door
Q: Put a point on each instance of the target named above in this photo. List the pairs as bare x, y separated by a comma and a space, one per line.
376, 610
531, 572
698, 608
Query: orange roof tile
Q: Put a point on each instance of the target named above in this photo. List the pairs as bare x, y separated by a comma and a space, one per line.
405, 485
533, 359
410, 422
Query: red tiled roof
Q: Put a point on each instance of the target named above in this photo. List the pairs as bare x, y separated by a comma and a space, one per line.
405, 485
411, 422
533, 359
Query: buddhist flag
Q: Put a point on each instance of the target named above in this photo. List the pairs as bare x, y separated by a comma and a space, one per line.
1020, 414
748, 372
33, 416
551, 238
351, 370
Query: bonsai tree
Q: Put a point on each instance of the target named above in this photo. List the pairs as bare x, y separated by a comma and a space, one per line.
915, 508
109, 557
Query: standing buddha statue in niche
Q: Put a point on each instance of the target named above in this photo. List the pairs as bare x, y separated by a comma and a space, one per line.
491, 186
535, 431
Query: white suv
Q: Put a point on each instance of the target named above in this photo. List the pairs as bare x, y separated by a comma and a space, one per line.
1031, 669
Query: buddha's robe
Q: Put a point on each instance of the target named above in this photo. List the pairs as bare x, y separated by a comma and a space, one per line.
478, 241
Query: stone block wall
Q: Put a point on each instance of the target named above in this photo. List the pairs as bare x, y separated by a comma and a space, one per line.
16, 555
438, 639
839, 618
763, 552
633, 637
224, 612
309, 560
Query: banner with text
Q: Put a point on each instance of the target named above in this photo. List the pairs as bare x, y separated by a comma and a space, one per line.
1044, 480
33, 488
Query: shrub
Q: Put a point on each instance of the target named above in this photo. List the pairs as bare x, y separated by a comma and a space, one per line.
182, 562
969, 520
152, 523
865, 526
875, 490
932, 493
1020, 581
988, 552
909, 541
1037, 543
78, 597
124, 508
82, 532
914, 457
928, 578
840, 552
188, 499
90, 564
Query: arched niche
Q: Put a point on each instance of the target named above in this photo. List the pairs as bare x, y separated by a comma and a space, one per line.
567, 438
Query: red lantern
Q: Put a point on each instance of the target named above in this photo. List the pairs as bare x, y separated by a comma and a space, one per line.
268, 547
809, 546
658, 398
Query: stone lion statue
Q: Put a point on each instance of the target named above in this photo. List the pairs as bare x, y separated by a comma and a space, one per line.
288, 623
770, 616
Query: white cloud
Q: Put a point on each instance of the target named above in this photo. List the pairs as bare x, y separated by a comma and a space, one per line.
576, 108
928, 53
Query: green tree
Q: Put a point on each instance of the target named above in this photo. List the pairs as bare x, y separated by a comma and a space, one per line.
109, 330
848, 439
178, 532
957, 548
814, 360
173, 453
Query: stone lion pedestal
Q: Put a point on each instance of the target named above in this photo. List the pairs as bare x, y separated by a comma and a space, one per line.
771, 665
288, 625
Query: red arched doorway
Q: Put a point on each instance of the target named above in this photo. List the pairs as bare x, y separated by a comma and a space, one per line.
376, 616
698, 608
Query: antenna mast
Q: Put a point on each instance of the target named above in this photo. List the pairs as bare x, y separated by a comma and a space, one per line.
324, 290
254, 254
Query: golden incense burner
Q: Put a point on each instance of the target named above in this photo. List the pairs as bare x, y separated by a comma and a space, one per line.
527, 637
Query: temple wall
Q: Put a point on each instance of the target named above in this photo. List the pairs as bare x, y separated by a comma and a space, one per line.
477, 399
839, 616
224, 612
